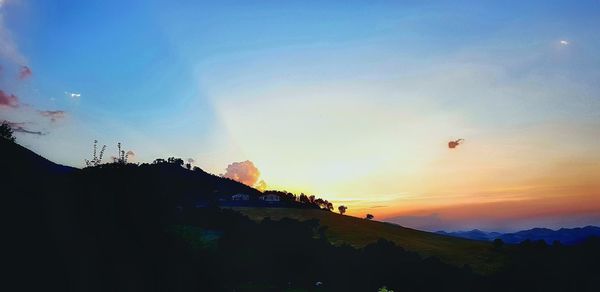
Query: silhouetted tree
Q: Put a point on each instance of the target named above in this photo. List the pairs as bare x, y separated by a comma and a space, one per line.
498, 243
304, 199
369, 217
6, 132
188, 166
159, 161
329, 205
174, 160
121, 155
96, 157
342, 209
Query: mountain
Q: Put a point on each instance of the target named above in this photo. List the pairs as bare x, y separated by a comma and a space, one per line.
18, 160
563, 235
474, 234
567, 236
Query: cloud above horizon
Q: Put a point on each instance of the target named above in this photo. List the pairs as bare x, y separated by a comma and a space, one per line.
53, 115
19, 128
25, 72
244, 172
73, 95
261, 185
8, 100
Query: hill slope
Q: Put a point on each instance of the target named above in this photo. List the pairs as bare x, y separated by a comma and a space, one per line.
360, 232
161, 187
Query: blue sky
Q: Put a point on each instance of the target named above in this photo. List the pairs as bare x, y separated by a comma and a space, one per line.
353, 100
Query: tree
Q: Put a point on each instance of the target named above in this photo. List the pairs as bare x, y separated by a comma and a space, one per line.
159, 161
6, 132
498, 243
177, 161
342, 209
329, 205
369, 217
96, 158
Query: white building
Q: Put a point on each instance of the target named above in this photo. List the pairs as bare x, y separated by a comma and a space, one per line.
240, 197
270, 198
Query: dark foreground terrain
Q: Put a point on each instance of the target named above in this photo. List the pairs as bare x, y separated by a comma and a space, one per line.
123, 227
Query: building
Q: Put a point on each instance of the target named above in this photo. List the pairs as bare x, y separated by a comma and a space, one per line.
270, 198
240, 197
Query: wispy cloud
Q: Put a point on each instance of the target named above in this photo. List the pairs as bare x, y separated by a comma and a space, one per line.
19, 128
53, 115
25, 72
8, 100
9, 49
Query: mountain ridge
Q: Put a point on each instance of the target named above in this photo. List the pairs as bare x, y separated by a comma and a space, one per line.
563, 235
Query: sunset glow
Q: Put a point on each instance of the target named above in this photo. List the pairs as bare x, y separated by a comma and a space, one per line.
358, 109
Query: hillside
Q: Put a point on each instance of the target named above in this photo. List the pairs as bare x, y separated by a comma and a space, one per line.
169, 185
360, 232
130, 227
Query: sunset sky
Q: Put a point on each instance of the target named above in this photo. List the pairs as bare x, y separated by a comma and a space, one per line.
350, 101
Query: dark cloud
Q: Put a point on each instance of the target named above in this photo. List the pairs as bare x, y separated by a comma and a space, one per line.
53, 115
244, 172
455, 143
25, 72
19, 128
8, 100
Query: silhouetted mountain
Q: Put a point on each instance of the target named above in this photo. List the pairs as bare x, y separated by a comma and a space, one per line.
474, 234
18, 159
563, 235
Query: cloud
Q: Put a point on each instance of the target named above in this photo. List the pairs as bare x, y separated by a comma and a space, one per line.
53, 115
130, 154
244, 172
8, 47
8, 100
25, 72
191, 160
18, 128
73, 94
261, 185
455, 143
564, 42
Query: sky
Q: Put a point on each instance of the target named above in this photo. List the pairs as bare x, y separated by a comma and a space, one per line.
353, 101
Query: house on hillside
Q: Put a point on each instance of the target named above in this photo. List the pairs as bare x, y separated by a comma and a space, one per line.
240, 197
270, 198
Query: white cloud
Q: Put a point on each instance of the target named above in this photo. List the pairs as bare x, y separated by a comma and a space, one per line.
73, 94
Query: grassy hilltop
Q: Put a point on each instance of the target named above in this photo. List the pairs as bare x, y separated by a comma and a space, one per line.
343, 229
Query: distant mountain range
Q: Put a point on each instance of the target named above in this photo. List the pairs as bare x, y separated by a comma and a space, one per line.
564, 235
